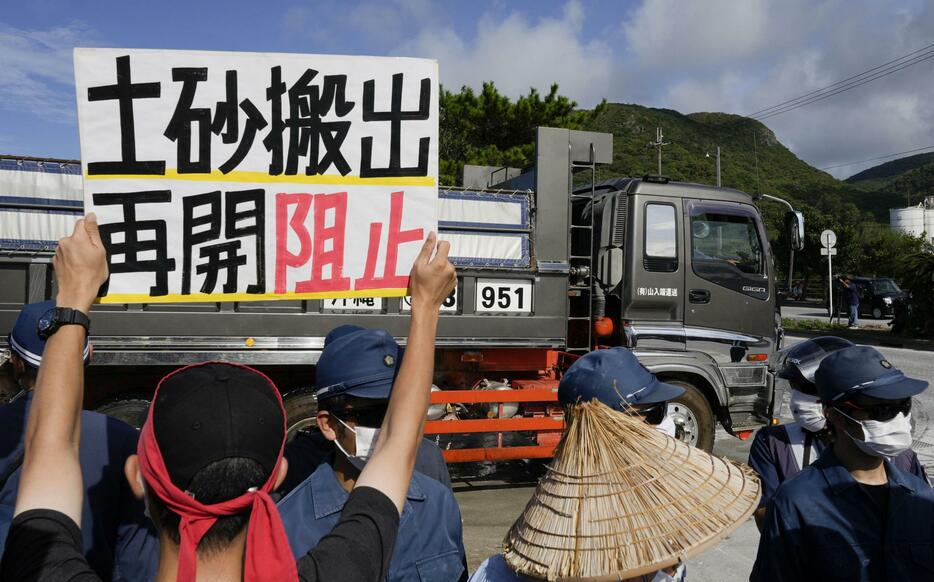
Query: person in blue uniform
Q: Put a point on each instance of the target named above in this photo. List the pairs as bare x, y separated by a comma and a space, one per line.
853, 514
616, 378
118, 538
780, 452
355, 374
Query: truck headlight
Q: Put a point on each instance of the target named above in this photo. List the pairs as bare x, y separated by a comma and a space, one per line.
887, 300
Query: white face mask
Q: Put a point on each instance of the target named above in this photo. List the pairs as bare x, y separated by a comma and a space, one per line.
887, 438
807, 411
667, 426
365, 440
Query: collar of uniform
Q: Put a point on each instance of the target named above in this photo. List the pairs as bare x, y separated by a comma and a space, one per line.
329, 497
839, 478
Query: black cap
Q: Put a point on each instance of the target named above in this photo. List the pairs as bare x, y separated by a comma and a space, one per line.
213, 411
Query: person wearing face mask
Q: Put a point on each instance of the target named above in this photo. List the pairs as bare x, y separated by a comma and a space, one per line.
780, 452
853, 514
355, 374
616, 378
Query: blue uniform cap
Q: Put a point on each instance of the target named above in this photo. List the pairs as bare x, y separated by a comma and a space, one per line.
24, 339
863, 370
614, 377
357, 362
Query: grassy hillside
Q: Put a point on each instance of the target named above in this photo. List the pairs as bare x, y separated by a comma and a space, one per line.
693, 136
878, 176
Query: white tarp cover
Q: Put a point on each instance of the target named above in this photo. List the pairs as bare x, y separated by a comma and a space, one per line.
498, 224
43, 186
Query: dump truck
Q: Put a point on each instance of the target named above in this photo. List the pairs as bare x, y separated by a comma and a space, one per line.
552, 263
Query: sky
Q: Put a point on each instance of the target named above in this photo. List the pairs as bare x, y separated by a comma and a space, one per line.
735, 56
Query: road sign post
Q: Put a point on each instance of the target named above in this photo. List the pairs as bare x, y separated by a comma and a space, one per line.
828, 239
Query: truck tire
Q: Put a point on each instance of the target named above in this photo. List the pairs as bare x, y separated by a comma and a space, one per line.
130, 408
693, 417
301, 410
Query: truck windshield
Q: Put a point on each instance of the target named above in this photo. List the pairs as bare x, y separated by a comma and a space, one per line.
880, 286
727, 238
726, 248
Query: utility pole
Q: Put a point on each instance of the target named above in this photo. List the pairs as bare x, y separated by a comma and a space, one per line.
718, 166
657, 144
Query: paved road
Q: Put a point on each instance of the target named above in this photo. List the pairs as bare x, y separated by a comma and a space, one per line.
795, 311
489, 508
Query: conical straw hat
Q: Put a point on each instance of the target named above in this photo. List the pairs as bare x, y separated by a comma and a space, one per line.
622, 499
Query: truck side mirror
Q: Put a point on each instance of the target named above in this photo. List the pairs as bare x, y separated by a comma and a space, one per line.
795, 224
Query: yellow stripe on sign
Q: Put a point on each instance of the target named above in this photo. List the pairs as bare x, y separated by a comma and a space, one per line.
218, 297
263, 178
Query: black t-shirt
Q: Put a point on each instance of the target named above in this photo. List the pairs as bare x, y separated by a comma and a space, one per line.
46, 545
880, 498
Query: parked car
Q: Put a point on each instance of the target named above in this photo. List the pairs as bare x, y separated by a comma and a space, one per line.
877, 297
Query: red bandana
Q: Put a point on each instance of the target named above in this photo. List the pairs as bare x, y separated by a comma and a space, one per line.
268, 555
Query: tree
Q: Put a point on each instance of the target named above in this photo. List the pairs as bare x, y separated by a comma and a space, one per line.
918, 278
491, 130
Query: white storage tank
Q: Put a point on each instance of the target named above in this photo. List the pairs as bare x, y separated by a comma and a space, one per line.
907, 220
929, 223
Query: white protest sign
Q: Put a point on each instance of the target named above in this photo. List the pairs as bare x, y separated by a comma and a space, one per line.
254, 176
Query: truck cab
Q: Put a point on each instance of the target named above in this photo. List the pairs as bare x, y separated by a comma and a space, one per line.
689, 281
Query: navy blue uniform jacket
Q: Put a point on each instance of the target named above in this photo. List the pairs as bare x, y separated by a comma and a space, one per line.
821, 525
774, 458
429, 546
119, 540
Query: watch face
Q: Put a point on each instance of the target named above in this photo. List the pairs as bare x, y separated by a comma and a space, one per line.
46, 323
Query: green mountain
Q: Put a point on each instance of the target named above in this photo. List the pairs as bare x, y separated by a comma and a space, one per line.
906, 180
752, 159
882, 175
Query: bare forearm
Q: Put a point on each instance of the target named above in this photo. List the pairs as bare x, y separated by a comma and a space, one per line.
390, 468
413, 383
51, 475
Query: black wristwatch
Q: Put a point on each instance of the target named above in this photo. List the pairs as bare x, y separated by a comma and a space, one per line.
53, 319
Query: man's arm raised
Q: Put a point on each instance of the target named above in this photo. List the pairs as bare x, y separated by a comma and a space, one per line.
51, 477
390, 468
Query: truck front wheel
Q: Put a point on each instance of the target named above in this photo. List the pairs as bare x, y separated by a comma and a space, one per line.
130, 408
694, 420
301, 410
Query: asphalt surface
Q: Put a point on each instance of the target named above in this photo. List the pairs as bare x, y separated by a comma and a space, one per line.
490, 507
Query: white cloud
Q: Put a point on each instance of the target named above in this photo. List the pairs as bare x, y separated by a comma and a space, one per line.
36, 70
741, 57
518, 54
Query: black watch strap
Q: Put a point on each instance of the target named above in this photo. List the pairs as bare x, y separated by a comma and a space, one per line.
63, 316
69, 316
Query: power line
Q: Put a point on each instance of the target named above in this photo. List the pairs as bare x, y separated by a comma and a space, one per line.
847, 84
756, 113
842, 90
848, 87
875, 159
